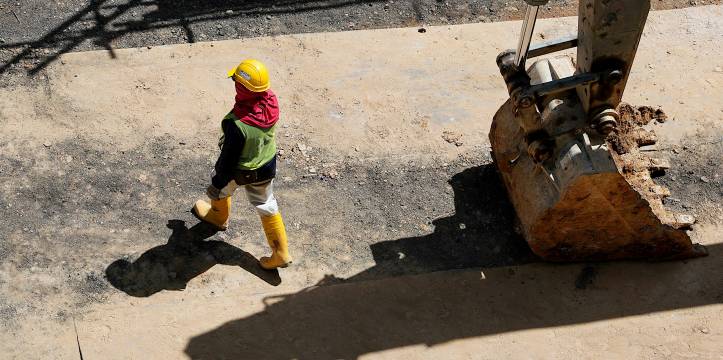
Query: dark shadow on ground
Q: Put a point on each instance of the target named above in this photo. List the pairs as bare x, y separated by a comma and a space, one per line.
186, 255
103, 21
352, 317
479, 234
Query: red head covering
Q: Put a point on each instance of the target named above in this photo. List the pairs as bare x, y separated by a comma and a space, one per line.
259, 109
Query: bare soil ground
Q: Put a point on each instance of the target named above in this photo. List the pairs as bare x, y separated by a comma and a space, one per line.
37, 32
384, 191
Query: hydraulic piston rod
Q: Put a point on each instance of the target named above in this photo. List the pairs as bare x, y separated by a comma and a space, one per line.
528, 27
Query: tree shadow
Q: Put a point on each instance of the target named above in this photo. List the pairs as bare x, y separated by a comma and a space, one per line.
103, 21
171, 266
409, 302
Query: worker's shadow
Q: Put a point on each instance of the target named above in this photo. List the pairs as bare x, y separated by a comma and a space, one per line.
186, 255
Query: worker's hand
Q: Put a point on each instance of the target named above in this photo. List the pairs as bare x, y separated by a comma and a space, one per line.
213, 192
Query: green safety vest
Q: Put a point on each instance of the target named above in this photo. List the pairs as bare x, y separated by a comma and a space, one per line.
259, 145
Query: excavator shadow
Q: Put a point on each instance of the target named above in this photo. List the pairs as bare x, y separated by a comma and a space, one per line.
172, 265
348, 320
480, 233
405, 300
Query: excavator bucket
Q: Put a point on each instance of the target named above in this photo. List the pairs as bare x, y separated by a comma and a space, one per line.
567, 149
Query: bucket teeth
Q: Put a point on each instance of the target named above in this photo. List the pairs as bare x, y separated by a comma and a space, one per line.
661, 191
649, 148
683, 221
645, 137
656, 164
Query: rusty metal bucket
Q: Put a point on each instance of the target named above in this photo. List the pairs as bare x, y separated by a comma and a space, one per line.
584, 201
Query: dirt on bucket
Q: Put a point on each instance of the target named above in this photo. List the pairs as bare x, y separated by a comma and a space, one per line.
634, 150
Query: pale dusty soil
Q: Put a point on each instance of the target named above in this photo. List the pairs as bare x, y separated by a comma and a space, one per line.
393, 207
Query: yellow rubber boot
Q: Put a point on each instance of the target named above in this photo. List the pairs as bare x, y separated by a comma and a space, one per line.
216, 213
276, 236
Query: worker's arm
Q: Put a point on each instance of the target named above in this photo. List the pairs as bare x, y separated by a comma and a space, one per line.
233, 143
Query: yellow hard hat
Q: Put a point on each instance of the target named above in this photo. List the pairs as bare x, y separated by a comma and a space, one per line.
252, 74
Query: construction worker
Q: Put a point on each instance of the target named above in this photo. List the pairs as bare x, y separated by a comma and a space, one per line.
248, 159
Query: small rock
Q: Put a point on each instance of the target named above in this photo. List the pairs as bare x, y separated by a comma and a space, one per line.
462, 226
452, 138
268, 17
281, 152
47, 144
229, 12
218, 26
333, 174
704, 179
312, 170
